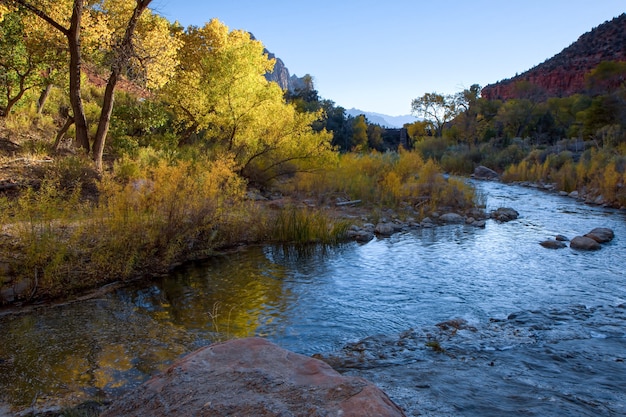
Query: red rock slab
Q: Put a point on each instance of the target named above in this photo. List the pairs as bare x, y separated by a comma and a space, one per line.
253, 377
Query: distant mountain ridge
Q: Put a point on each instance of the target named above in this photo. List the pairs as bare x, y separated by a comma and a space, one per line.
564, 74
383, 119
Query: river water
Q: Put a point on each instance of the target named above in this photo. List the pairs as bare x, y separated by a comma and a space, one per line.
449, 321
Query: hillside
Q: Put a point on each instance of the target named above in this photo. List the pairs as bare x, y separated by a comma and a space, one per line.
564, 74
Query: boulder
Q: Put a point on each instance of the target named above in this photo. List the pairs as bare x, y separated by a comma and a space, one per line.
252, 377
561, 238
479, 223
427, 222
553, 244
484, 173
361, 235
601, 234
385, 229
504, 214
584, 243
452, 218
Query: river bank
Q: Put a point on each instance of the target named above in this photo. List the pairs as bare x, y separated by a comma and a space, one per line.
58, 243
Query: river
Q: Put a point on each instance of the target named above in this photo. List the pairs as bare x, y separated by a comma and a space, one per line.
449, 321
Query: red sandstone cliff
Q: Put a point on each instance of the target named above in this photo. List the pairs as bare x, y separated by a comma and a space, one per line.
564, 74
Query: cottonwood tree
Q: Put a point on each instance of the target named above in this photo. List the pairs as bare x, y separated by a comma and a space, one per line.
437, 109
219, 92
110, 28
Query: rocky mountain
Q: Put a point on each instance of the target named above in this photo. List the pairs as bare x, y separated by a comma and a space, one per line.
564, 74
383, 120
281, 75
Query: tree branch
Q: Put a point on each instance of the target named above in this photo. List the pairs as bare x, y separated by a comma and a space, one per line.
39, 13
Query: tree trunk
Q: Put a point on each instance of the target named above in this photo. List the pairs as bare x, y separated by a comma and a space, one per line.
73, 38
122, 56
105, 119
43, 97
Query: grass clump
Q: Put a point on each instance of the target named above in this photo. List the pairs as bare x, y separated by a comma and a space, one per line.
304, 225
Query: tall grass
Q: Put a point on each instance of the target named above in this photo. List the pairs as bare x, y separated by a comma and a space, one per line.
304, 225
152, 213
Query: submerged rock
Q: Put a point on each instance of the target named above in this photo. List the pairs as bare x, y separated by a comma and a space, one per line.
253, 377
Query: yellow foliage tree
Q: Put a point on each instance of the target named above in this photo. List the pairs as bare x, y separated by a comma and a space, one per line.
124, 35
219, 89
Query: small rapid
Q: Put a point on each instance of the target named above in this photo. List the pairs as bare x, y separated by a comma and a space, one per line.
449, 321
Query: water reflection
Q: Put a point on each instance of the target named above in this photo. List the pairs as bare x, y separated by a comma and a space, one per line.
227, 297
81, 350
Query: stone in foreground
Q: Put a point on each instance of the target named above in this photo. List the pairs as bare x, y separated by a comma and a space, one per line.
253, 377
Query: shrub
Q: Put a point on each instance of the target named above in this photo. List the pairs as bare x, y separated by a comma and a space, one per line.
389, 179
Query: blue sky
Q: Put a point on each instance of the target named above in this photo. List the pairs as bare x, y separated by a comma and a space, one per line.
379, 55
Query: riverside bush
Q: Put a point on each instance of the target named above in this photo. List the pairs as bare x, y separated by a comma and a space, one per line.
600, 171
171, 214
390, 179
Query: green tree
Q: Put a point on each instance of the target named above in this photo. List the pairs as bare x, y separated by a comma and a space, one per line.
516, 115
375, 137
606, 77
466, 122
437, 109
29, 57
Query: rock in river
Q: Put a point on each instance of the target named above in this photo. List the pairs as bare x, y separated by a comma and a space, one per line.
584, 243
253, 377
452, 218
504, 214
553, 244
484, 173
601, 234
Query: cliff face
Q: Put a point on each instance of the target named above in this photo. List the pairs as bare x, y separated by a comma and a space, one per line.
564, 74
280, 75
